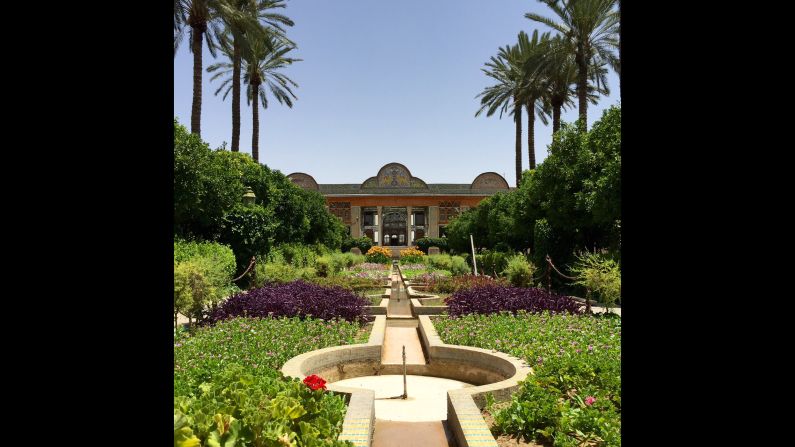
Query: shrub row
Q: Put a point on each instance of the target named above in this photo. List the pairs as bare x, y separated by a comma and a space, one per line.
494, 298
298, 298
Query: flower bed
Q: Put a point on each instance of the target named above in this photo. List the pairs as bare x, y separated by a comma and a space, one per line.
494, 298
227, 383
296, 298
423, 275
454, 284
574, 397
369, 270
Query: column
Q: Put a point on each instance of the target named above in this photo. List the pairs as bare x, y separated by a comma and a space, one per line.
380, 236
356, 221
409, 239
433, 221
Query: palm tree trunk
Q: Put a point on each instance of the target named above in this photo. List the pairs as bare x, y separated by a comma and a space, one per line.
236, 95
582, 90
196, 107
556, 118
531, 124
255, 130
518, 118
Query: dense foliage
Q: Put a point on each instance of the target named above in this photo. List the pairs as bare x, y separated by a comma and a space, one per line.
208, 190
574, 397
571, 201
493, 299
297, 298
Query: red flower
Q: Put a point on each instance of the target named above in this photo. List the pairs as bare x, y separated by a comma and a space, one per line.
315, 382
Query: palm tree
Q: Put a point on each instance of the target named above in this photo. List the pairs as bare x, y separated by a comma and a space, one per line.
590, 28
505, 94
247, 26
204, 19
532, 88
262, 61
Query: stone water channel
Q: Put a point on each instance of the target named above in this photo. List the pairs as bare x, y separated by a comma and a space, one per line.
444, 385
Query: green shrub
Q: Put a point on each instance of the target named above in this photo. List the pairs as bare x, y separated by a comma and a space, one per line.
492, 262
599, 275
324, 267
458, 266
426, 242
280, 273
441, 262
192, 290
362, 243
202, 276
519, 271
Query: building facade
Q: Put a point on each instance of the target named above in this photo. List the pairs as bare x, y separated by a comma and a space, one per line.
394, 208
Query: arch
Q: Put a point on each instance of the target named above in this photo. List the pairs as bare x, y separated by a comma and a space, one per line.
305, 181
489, 180
394, 175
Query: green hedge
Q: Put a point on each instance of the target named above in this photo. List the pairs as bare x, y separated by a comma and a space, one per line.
426, 242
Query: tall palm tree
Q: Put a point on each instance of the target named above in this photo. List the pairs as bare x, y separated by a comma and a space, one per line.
204, 19
558, 72
505, 94
533, 90
590, 28
262, 62
254, 13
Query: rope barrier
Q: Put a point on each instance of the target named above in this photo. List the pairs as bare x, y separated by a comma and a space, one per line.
250, 264
549, 261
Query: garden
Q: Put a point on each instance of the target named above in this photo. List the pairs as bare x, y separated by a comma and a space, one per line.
259, 288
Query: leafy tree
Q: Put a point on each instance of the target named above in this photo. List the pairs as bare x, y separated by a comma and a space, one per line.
204, 186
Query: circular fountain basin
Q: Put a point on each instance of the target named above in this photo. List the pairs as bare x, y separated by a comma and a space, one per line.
427, 396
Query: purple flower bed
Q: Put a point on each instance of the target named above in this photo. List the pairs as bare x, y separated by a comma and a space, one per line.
297, 298
493, 299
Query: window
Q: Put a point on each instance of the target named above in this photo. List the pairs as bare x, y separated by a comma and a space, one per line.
419, 219
442, 231
369, 218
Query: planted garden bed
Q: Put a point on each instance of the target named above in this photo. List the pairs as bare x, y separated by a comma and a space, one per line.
574, 397
227, 376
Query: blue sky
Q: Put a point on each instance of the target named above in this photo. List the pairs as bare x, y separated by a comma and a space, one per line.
381, 82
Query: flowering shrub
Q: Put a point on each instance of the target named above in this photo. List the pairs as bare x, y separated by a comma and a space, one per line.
379, 255
411, 256
315, 382
296, 298
443, 284
493, 298
423, 276
574, 397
